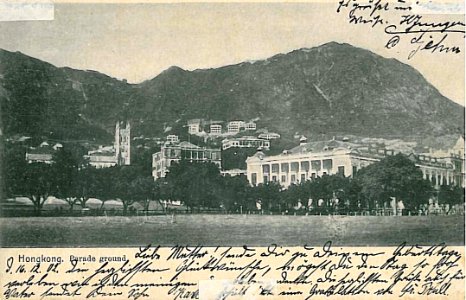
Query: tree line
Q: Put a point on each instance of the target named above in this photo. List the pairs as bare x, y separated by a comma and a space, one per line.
200, 186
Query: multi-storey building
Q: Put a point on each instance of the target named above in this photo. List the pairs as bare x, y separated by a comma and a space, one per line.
235, 126
250, 126
170, 153
245, 142
215, 129
194, 126
172, 138
310, 160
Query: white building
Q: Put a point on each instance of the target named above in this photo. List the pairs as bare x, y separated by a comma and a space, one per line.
235, 126
250, 126
245, 142
215, 129
172, 138
269, 135
314, 159
194, 126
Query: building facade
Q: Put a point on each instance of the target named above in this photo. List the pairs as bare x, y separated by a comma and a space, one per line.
235, 126
215, 129
311, 160
123, 143
245, 142
194, 126
173, 152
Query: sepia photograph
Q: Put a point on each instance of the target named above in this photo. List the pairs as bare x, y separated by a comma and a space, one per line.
128, 124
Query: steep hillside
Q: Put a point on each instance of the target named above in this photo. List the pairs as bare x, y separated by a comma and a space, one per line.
333, 89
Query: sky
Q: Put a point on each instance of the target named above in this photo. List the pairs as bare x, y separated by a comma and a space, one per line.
138, 41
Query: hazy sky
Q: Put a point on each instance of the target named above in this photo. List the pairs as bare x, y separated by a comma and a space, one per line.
138, 41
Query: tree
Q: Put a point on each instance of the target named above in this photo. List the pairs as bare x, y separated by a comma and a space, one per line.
143, 190
235, 193
451, 195
394, 176
268, 194
196, 184
65, 169
38, 184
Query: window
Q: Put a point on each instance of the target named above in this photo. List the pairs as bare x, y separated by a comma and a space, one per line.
313, 175
316, 165
303, 177
275, 168
293, 178
327, 164
355, 170
274, 178
284, 167
283, 178
305, 166
266, 179
265, 169
341, 170
294, 167
254, 179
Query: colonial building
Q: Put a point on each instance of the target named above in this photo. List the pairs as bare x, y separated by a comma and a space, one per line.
172, 152
194, 126
269, 135
310, 160
250, 125
43, 153
172, 138
245, 142
215, 129
104, 157
235, 126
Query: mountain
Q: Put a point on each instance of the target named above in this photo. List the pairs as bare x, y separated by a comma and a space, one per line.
39, 99
333, 89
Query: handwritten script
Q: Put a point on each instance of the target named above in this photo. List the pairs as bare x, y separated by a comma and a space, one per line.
402, 21
232, 273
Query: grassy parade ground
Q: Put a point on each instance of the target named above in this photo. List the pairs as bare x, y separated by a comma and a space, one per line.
233, 230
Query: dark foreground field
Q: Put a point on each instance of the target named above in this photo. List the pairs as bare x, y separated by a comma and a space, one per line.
234, 230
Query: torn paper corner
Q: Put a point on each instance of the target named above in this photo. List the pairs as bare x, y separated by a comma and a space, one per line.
26, 10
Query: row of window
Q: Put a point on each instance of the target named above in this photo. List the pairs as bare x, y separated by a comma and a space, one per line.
191, 154
316, 165
293, 177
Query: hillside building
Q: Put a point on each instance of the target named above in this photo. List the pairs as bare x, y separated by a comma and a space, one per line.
245, 142
194, 126
251, 126
172, 138
269, 135
170, 153
310, 160
235, 126
215, 129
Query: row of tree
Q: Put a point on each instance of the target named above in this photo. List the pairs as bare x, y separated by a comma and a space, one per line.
200, 186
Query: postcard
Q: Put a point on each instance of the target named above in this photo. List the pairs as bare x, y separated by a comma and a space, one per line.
232, 150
